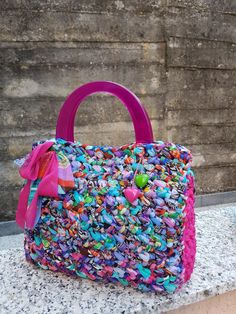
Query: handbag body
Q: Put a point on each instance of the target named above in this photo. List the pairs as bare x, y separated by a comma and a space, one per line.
107, 213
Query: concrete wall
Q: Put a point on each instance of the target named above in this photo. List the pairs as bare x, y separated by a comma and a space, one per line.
178, 56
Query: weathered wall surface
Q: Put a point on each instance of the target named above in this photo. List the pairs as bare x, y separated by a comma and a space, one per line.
178, 56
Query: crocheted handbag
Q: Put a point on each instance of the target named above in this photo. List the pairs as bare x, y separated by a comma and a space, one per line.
113, 214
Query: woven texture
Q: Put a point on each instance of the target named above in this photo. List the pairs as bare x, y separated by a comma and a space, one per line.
93, 231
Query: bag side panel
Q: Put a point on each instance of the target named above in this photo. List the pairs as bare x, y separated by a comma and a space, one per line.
189, 237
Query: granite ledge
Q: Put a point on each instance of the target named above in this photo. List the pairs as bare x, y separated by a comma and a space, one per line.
25, 289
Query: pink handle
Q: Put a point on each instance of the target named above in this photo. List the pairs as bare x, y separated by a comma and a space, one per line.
141, 121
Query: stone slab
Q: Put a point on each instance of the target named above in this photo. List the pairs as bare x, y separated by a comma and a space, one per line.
11, 241
190, 23
26, 289
196, 53
85, 6
8, 229
23, 25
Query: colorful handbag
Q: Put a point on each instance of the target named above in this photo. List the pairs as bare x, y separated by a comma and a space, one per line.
112, 214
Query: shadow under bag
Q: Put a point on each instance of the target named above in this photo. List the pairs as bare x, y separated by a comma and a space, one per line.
113, 214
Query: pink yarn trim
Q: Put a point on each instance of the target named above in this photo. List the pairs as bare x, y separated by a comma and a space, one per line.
189, 238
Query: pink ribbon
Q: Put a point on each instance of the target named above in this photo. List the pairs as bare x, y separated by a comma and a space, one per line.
31, 170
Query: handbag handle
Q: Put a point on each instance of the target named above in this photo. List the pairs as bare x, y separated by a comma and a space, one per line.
141, 121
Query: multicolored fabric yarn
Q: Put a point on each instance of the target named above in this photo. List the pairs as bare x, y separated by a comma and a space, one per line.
122, 215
